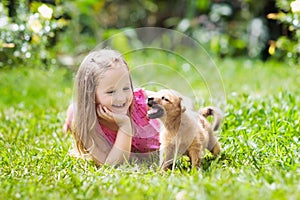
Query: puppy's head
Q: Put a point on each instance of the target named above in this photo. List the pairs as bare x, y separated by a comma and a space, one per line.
164, 103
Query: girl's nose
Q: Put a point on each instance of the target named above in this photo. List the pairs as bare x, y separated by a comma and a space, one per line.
120, 97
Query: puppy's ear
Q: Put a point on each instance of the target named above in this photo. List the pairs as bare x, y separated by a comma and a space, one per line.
183, 109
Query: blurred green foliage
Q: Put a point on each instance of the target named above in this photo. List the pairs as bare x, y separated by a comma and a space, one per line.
28, 31
287, 47
224, 28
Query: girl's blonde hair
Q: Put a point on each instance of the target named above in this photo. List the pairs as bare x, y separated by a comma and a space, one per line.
88, 77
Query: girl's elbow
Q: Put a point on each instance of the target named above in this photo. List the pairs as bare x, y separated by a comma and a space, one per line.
118, 159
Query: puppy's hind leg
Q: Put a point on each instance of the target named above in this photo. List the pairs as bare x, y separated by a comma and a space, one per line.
213, 144
216, 149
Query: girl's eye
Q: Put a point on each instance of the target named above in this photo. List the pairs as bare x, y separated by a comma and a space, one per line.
126, 88
110, 92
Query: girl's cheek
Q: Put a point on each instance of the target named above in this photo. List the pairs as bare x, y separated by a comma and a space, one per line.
97, 99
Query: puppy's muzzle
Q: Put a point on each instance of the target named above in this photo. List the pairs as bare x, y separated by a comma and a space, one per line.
156, 110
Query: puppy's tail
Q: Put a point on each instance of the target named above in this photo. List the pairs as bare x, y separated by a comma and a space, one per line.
215, 112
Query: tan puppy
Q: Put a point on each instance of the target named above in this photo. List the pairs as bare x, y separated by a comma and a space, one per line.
185, 131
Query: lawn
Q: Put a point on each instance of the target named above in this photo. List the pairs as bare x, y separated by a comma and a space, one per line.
260, 138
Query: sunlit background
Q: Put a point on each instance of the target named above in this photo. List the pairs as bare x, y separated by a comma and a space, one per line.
55, 32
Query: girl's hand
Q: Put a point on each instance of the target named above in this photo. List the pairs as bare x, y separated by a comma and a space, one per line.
122, 120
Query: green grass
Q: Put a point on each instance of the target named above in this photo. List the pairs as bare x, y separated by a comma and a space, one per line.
259, 137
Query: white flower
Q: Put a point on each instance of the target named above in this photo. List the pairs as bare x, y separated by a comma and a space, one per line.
295, 6
45, 11
35, 25
3, 21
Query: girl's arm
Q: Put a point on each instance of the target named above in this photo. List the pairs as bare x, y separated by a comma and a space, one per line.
120, 151
122, 146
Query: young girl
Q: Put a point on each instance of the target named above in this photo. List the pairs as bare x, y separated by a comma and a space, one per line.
108, 119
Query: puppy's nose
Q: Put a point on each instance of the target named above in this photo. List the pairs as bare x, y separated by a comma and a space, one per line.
150, 101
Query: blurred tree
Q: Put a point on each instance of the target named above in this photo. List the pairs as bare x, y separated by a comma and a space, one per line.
287, 46
28, 31
224, 27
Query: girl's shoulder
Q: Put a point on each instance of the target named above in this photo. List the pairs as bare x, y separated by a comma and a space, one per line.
139, 112
144, 127
140, 92
140, 95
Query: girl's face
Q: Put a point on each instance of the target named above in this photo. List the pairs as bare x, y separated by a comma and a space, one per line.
114, 90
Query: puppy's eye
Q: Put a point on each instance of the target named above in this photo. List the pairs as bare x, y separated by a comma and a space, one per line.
164, 98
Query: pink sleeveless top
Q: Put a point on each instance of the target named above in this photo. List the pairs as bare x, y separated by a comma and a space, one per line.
146, 131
